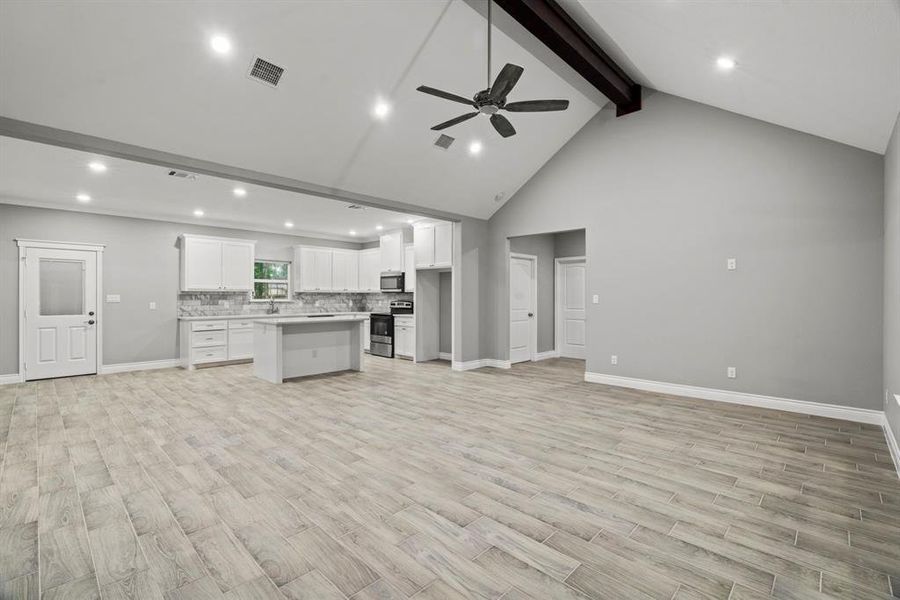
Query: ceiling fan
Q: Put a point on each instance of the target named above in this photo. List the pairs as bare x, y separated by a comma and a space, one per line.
493, 99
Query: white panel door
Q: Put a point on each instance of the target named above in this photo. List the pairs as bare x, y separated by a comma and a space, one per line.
522, 339
570, 319
423, 240
443, 244
322, 272
202, 264
60, 330
237, 266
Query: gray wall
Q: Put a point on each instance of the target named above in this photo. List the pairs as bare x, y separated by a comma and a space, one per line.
892, 279
568, 243
471, 290
541, 246
666, 195
140, 262
445, 292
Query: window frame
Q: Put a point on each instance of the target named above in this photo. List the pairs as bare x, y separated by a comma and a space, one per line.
290, 289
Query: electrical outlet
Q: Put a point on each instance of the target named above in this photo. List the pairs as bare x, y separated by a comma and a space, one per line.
153, 306
732, 372
732, 264
111, 298
613, 360
596, 299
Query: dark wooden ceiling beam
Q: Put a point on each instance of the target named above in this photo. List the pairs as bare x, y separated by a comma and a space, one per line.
549, 23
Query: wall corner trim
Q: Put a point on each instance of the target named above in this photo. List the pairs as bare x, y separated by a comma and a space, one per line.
480, 364
148, 365
545, 355
11, 378
892, 443
833, 411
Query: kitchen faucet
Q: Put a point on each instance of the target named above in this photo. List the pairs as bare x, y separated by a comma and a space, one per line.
272, 308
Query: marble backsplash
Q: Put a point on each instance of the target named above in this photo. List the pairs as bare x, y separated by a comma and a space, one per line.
218, 303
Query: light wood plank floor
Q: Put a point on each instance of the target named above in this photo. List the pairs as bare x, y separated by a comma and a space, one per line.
412, 481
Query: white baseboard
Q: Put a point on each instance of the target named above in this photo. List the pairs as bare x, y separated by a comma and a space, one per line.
11, 378
892, 443
858, 415
445, 356
480, 363
168, 363
546, 355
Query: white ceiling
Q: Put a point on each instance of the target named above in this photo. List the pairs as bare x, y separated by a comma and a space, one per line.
829, 67
143, 73
35, 174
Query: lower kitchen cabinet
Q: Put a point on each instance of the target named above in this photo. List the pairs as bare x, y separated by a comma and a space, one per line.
240, 340
405, 336
367, 332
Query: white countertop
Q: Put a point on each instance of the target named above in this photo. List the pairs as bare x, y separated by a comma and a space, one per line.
257, 317
313, 319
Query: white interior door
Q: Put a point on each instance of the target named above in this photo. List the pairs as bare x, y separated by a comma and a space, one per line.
570, 308
522, 339
60, 312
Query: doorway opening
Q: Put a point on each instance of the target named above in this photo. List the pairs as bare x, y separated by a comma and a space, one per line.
548, 296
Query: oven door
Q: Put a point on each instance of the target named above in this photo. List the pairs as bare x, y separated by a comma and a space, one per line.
382, 327
392, 282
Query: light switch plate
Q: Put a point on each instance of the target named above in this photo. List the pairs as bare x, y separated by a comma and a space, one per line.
153, 306
113, 298
596, 299
732, 372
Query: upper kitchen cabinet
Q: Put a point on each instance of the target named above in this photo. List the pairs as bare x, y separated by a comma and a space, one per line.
314, 268
370, 270
344, 270
433, 245
210, 264
409, 260
391, 246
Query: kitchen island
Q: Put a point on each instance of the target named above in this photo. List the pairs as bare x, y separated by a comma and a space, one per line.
299, 346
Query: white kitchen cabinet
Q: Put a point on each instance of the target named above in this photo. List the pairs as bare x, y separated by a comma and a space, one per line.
216, 264
409, 260
345, 270
405, 336
240, 340
370, 270
434, 245
443, 245
314, 268
391, 247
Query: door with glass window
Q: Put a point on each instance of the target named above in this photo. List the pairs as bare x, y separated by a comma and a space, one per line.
60, 312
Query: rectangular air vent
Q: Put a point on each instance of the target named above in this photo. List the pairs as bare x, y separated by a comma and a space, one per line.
444, 141
265, 72
182, 174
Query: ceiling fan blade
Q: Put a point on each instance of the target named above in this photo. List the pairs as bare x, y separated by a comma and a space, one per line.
505, 81
453, 122
445, 95
537, 105
502, 125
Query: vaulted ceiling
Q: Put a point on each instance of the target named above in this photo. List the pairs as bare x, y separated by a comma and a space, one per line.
143, 73
830, 68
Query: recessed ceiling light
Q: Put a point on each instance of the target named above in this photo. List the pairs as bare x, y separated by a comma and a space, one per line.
83, 198
725, 63
198, 213
240, 192
288, 224
381, 109
378, 228
352, 232
220, 44
97, 167
475, 148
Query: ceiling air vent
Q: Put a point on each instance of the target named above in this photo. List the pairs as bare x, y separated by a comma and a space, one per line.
182, 174
356, 207
444, 141
265, 72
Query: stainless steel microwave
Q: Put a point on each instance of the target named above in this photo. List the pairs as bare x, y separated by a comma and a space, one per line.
393, 282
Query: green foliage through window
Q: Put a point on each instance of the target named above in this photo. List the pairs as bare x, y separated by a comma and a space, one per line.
271, 280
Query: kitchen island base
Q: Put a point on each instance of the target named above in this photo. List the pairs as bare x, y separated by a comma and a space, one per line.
298, 347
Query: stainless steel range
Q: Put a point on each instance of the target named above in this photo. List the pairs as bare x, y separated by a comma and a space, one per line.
381, 336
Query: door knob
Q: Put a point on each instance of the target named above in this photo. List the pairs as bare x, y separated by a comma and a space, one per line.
91, 314
530, 314
91, 322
